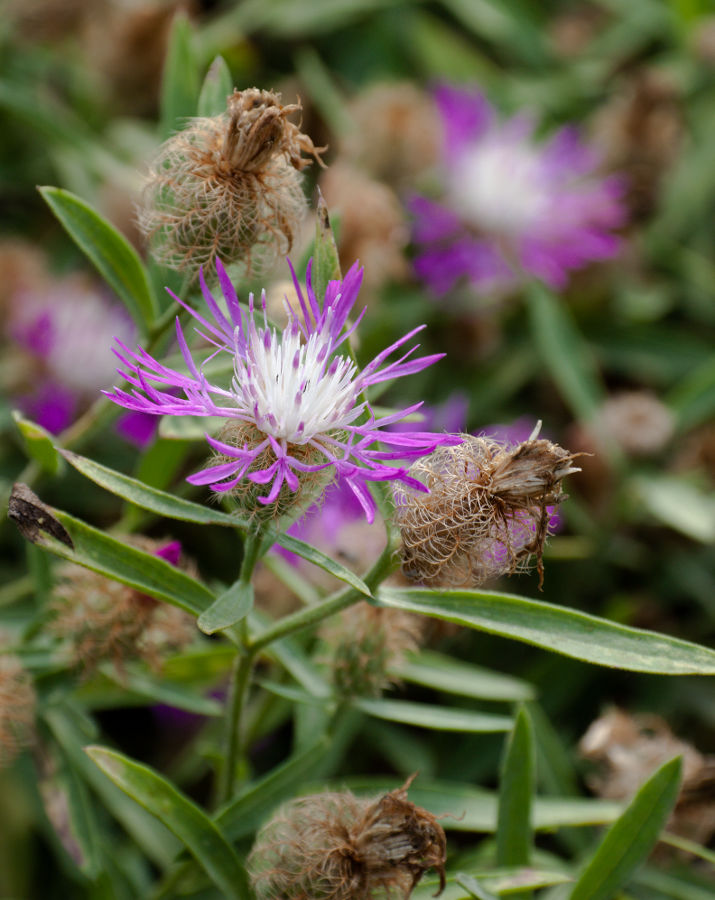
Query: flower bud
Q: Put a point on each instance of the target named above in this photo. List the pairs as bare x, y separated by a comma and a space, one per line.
338, 846
486, 513
228, 187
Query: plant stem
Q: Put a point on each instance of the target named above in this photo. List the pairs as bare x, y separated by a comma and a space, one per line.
241, 676
333, 604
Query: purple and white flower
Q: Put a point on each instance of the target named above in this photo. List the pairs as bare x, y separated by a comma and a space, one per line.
298, 403
513, 206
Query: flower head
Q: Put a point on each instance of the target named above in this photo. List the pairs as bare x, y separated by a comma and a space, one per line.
340, 847
512, 205
486, 513
295, 407
228, 186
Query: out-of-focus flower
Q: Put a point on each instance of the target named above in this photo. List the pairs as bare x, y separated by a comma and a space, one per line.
228, 187
486, 513
338, 846
640, 133
396, 132
628, 749
637, 421
364, 645
17, 707
372, 223
100, 620
293, 410
513, 207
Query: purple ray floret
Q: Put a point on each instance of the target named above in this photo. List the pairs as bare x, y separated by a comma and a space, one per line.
512, 206
292, 386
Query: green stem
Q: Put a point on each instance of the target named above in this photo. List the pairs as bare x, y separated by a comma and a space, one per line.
241, 677
329, 607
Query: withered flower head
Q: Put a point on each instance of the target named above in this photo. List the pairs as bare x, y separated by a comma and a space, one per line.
487, 511
638, 421
104, 621
228, 187
364, 644
335, 846
17, 707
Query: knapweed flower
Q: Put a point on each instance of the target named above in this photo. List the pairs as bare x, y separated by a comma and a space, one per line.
513, 207
228, 187
364, 644
17, 707
486, 513
340, 847
99, 620
295, 411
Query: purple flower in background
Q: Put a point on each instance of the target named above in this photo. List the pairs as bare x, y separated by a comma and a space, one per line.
295, 404
67, 331
513, 206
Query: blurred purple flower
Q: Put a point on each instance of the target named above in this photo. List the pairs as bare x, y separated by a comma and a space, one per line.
513, 206
294, 405
449, 416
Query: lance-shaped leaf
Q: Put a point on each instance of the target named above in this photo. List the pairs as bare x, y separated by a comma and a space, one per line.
442, 673
180, 815
630, 839
516, 789
326, 263
38, 443
228, 609
109, 251
180, 79
441, 718
216, 88
165, 504
575, 634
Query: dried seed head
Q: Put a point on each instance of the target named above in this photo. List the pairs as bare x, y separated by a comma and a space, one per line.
17, 708
486, 513
334, 846
365, 644
638, 421
101, 620
228, 187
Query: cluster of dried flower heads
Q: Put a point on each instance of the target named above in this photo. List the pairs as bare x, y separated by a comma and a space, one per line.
104, 621
366, 643
487, 511
228, 187
336, 846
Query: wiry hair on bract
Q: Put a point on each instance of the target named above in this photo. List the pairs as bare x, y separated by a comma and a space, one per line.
228, 187
335, 846
487, 512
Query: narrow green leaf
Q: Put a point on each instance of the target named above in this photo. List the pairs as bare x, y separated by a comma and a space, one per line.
442, 673
630, 839
38, 443
254, 803
562, 630
489, 884
150, 498
228, 609
180, 815
136, 688
217, 87
180, 79
98, 551
474, 887
440, 718
564, 351
82, 820
109, 251
323, 561
326, 263
516, 789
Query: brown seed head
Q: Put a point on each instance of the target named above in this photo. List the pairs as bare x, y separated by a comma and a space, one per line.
17, 708
365, 644
228, 187
334, 846
486, 511
104, 621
